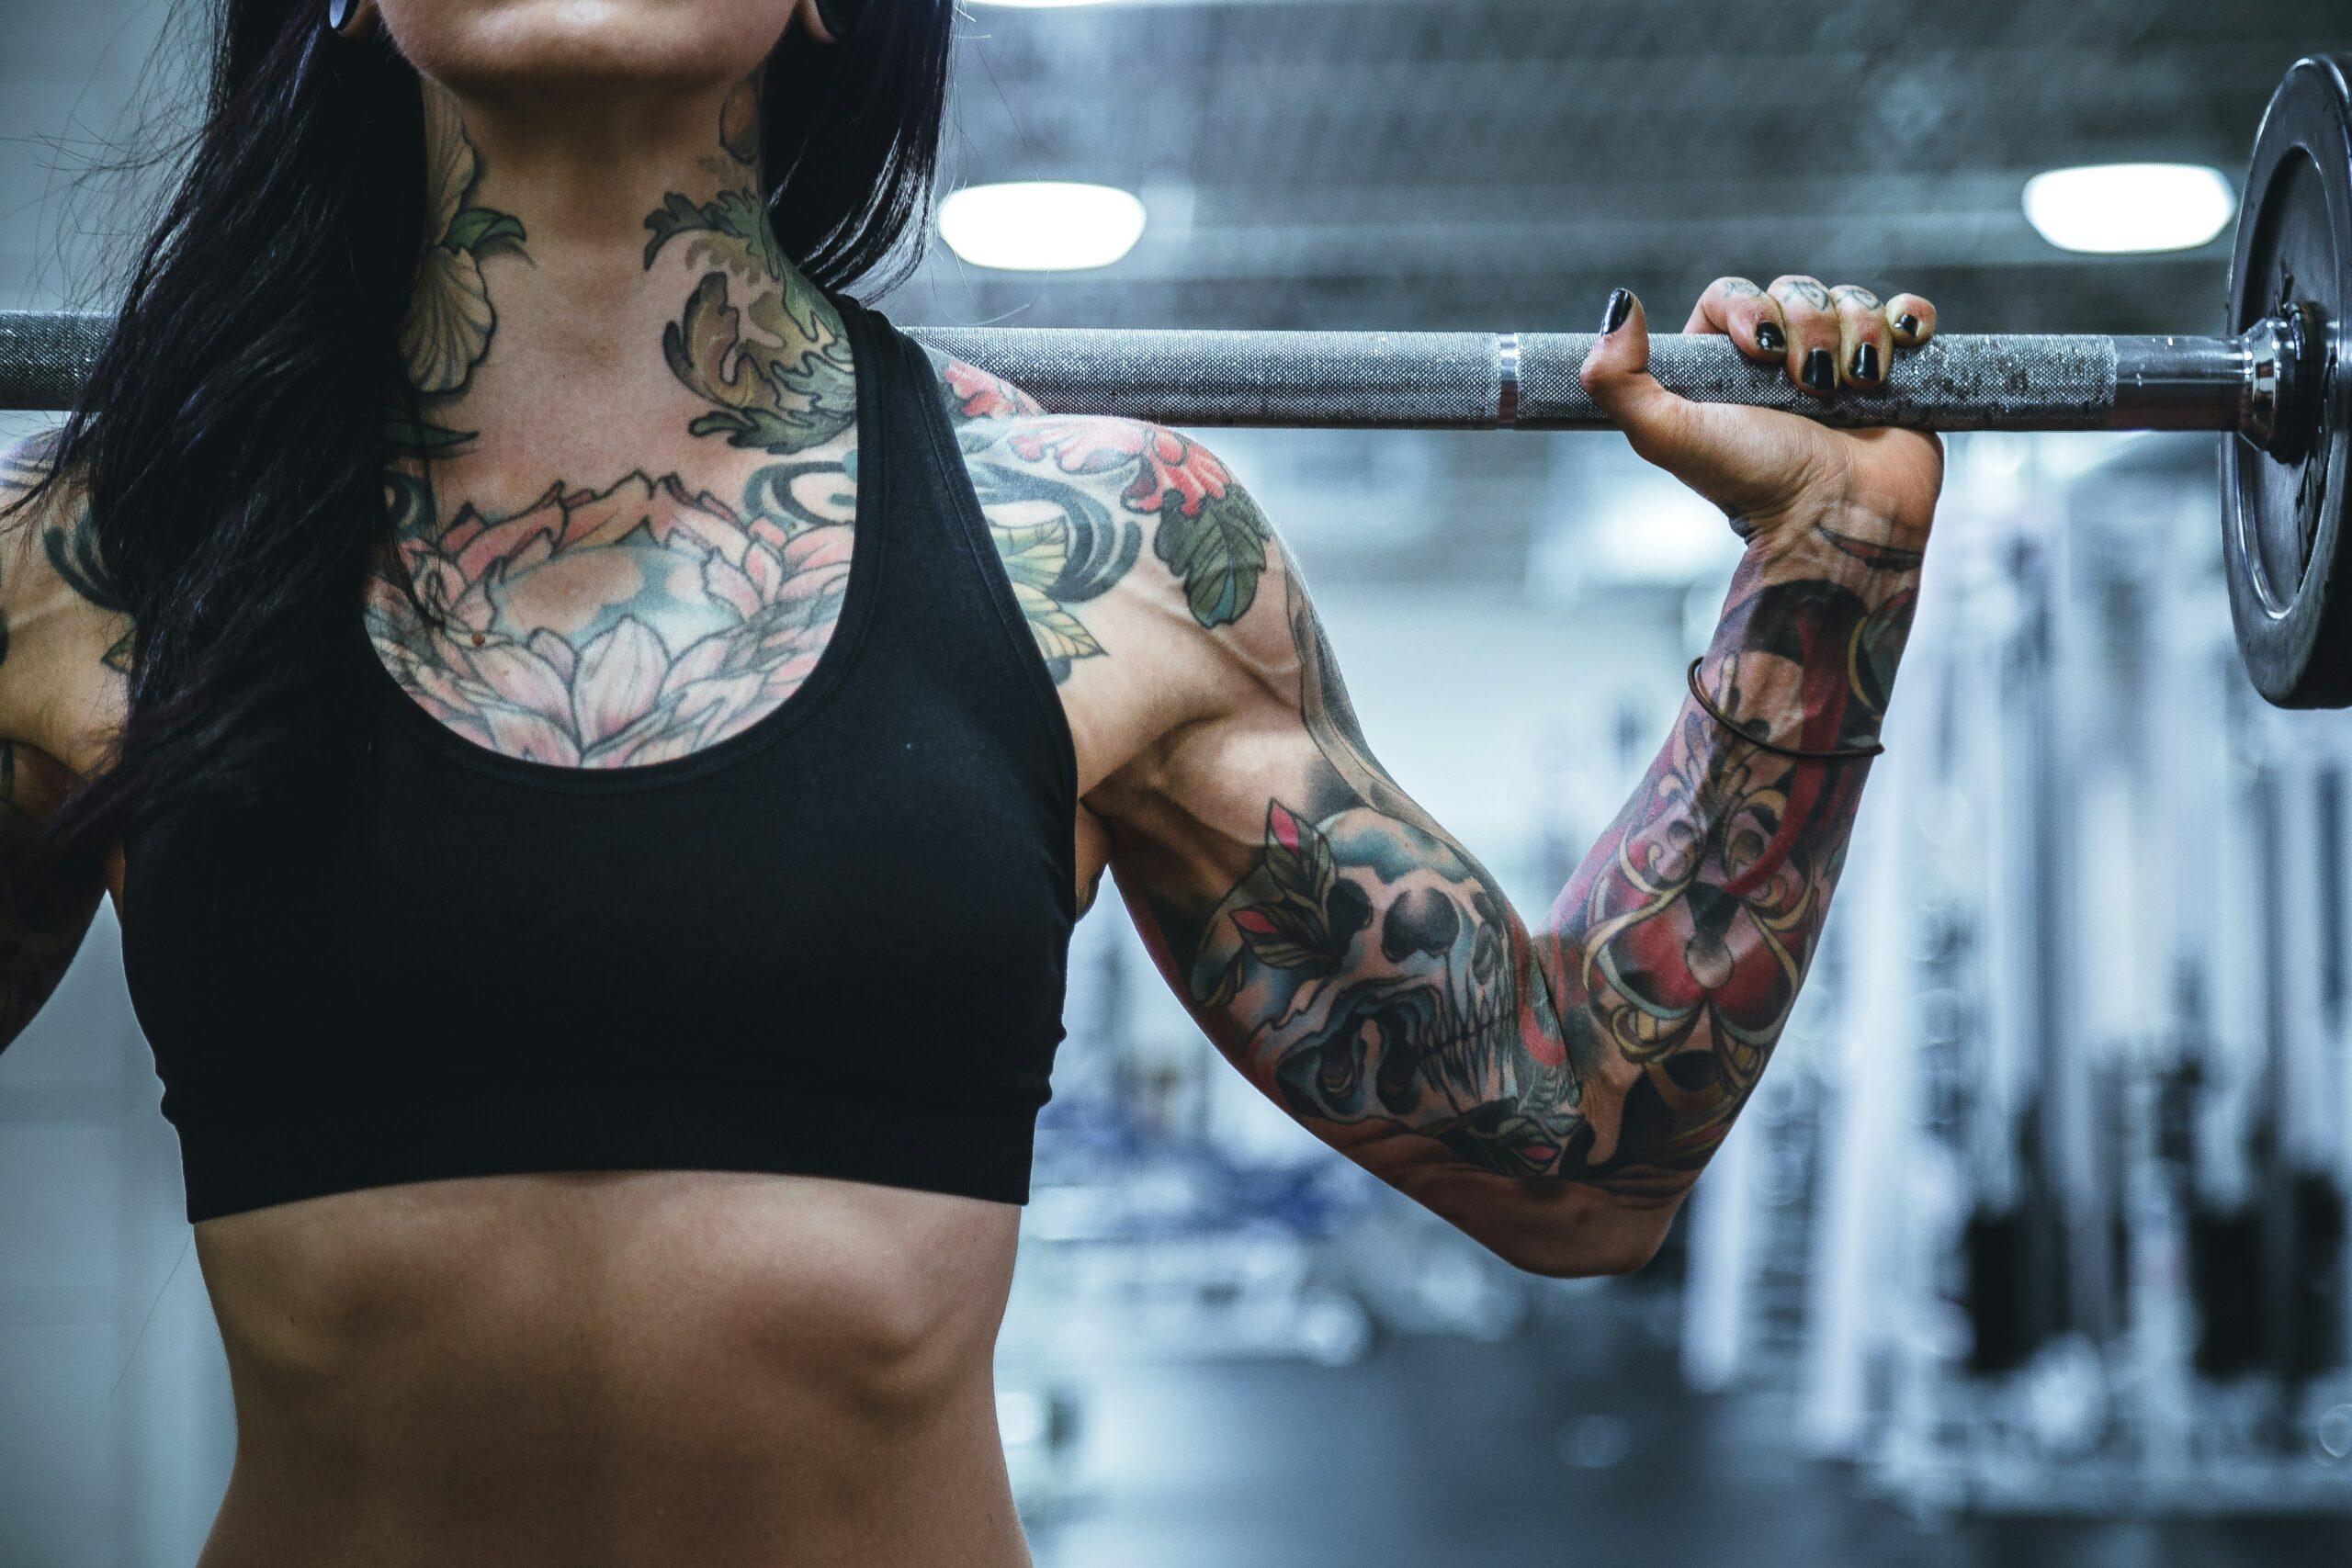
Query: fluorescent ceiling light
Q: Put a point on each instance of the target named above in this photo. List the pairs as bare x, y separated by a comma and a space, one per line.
1040, 227
2115, 207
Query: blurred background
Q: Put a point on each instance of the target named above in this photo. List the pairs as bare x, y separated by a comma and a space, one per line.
2030, 1250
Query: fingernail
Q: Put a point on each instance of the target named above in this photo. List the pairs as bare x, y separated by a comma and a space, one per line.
1820, 370
1768, 338
1620, 305
1907, 324
1866, 362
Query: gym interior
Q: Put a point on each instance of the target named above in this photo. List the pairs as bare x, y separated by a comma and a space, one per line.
2031, 1249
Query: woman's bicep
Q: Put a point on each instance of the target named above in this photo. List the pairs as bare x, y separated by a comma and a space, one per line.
1342, 947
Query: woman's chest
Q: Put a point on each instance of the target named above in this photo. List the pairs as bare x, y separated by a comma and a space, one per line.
851, 905
612, 629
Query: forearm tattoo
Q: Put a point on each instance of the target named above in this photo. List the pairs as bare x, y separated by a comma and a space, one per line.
1371, 974
1676, 954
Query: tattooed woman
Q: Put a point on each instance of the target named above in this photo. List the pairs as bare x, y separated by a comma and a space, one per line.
597, 744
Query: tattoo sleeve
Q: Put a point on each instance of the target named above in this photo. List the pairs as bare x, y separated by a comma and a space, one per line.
1675, 955
1368, 974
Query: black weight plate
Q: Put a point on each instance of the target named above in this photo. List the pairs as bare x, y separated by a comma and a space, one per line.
2283, 525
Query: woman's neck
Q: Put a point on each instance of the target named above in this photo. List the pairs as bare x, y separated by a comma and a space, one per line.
600, 283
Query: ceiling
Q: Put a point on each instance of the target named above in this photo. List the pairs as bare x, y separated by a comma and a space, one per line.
1502, 164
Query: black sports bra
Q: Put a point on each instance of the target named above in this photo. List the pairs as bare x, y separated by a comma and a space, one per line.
833, 942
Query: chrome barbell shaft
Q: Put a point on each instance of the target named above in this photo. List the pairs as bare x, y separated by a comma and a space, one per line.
1487, 381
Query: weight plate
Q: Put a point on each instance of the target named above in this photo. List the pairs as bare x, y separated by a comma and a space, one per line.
2282, 521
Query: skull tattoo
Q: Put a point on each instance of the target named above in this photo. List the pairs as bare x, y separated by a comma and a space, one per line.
1378, 963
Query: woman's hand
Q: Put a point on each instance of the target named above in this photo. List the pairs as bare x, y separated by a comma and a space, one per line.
1775, 474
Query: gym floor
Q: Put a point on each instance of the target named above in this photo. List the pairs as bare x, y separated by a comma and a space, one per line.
1576, 1443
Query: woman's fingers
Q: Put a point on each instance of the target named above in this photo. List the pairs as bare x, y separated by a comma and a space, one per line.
1912, 319
1814, 331
1616, 376
1827, 338
1737, 309
1865, 339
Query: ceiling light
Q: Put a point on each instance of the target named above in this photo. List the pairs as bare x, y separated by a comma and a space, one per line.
1039, 5
2115, 207
1042, 227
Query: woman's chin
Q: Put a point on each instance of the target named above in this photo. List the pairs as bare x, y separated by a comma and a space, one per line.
492, 46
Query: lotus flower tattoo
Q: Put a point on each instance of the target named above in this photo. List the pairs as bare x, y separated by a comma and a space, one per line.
746, 610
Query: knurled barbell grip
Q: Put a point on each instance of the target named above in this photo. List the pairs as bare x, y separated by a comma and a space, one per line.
1478, 381
1462, 380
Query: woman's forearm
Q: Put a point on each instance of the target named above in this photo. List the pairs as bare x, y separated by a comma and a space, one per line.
1674, 956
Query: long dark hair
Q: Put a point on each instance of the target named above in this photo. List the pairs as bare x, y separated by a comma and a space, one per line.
230, 444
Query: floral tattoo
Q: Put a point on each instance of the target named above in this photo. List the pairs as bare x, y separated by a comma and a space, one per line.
777, 371
646, 619
1068, 498
450, 320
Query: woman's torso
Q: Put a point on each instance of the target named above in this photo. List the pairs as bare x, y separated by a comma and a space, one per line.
639, 1367
656, 1366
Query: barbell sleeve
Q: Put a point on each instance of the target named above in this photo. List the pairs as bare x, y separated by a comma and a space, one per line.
1489, 382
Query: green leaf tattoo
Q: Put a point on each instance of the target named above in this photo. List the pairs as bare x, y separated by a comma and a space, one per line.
1036, 559
767, 399
1218, 551
778, 370
735, 215
476, 227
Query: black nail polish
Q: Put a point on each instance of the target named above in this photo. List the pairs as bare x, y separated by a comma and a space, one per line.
1620, 305
1769, 339
1820, 370
1866, 362
1907, 324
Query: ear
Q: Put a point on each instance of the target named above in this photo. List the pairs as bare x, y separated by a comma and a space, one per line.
828, 21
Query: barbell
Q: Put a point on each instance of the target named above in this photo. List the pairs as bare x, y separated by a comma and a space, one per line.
2269, 382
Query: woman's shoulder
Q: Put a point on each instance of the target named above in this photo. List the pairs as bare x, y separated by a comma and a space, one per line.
64, 637
1121, 534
